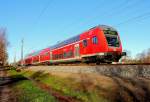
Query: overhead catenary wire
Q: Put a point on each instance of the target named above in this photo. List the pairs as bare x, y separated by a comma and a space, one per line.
42, 12
127, 5
71, 24
105, 13
116, 9
74, 23
140, 17
134, 19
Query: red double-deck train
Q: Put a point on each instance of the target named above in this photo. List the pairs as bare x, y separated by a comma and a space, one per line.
98, 44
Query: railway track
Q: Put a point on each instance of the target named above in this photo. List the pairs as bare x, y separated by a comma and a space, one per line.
91, 64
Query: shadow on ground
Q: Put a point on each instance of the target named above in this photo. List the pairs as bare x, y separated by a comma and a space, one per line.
11, 80
130, 89
6, 83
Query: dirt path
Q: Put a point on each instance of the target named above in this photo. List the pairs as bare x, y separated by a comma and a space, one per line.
7, 94
5, 91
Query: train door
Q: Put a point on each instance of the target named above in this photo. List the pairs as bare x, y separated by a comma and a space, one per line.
50, 55
76, 50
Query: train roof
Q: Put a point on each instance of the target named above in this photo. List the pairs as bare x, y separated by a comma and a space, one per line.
44, 50
66, 42
104, 27
38, 52
33, 54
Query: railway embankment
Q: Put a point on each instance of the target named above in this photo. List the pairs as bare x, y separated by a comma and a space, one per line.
127, 71
128, 83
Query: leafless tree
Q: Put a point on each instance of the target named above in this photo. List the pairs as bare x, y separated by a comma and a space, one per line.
128, 59
144, 57
3, 47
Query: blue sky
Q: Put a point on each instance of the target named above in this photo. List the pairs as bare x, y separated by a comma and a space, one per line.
45, 22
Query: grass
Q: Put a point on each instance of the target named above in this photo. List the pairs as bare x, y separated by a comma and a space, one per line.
86, 88
26, 91
66, 86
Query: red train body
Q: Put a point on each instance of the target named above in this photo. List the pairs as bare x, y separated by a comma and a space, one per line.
99, 44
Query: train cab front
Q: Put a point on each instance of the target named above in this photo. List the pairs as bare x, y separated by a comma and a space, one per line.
113, 43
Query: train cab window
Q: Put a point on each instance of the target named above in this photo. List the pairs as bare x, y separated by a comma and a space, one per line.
94, 40
84, 43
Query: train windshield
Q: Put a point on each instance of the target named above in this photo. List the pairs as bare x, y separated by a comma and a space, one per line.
110, 32
112, 38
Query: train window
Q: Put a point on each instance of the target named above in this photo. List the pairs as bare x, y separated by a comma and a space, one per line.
94, 40
46, 54
110, 32
84, 43
60, 56
65, 55
70, 54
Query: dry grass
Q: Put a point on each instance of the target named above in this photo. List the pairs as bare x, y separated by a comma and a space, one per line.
114, 88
